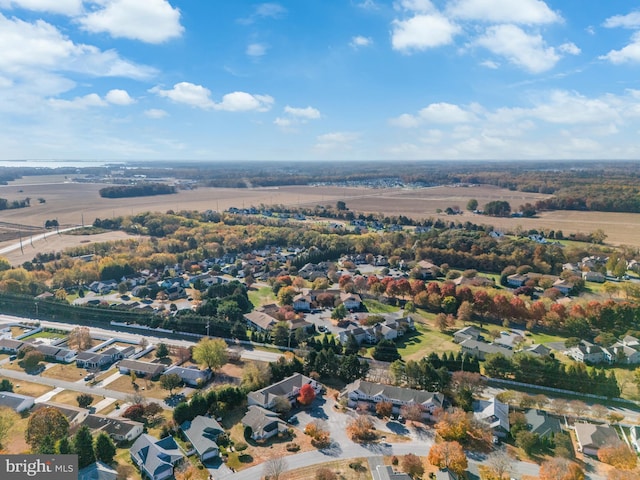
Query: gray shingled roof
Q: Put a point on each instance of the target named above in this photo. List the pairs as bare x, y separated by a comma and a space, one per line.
596, 436
155, 456
202, 432
279, 389
111, 426
541, 423
261, 420
151, 369
391, 392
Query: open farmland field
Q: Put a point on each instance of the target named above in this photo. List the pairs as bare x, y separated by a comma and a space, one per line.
70, 202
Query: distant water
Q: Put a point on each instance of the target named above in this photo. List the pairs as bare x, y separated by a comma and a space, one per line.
57, 163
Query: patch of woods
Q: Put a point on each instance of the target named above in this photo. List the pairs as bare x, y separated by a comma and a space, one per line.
139, 190
13, 204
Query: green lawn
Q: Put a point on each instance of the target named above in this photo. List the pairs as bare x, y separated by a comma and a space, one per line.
262, 296
44, 334
418, 344
545, 337
373, 306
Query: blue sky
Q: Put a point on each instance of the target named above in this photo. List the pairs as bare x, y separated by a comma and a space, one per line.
319, 79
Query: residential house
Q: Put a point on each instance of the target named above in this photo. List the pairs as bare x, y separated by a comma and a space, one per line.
626, 351
596, 277
359, 334
541, 423
538, 350
592, 437
119, 429
141, 369
427, 270
260, 321
565, 286
57, 354
495, 413
386, 472
586, 352
16, 402
374, 393
446, 474
302, 303
98, 360
517, 280
75, 415
467, 333
191, 376
477, 281
175, 291
264, 423
104, 287
351, 301
509, 339
155, 458
9, 345
480, 350
202, 432
97, 471
288, 388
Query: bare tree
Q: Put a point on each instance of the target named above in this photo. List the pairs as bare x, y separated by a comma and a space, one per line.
274, 467
500, 463
578, 407
79, 338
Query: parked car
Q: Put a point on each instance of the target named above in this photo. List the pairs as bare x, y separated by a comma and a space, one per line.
89, 376
12, 358
293, 420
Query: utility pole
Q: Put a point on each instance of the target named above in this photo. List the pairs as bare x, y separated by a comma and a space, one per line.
207, 328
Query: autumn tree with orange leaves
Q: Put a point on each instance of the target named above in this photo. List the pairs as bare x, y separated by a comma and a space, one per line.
620, 456
560, 469
448, 455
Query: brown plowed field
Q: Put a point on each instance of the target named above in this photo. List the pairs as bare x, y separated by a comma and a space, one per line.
69, 203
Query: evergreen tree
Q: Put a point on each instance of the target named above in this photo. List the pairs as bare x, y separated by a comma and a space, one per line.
64, 446
47, 446
351, 346
104, 448
83, 446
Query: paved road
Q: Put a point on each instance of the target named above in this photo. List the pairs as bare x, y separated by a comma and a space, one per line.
16, 246
76, 387
246, 354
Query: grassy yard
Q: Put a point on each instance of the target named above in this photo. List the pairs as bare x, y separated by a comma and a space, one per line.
14, 442
68, 372
126, 468
44, 334
31, 389
146, 387
68, 397
261, 296
340, 467
374, 306
418, 344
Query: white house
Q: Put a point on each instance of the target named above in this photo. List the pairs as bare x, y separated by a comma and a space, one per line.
374, 393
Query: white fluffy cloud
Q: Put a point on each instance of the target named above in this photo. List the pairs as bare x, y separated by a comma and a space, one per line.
256, 49
29, 48
264, 10
198, 96
359, 41
188, 94
631, 20
151, 21
90, 100
422, 32
627, 54
570, 48
520, 48
119, 97
308, 113
528, 12
440, 113
243, 102
64, 7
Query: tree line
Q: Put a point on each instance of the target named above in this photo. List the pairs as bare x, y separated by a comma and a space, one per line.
140, 190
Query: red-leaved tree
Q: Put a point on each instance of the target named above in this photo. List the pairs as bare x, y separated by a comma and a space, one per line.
307, 394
